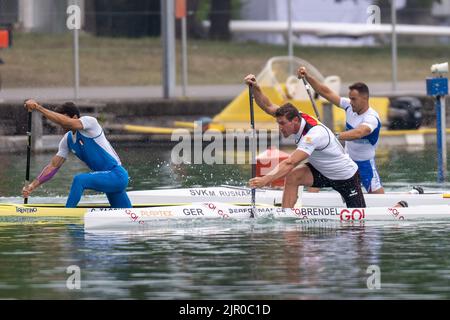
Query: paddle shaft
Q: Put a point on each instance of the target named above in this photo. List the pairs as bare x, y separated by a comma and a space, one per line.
310, 97
27, 173
253, 144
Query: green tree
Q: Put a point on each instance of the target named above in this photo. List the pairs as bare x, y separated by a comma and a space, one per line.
220, 16
218, 12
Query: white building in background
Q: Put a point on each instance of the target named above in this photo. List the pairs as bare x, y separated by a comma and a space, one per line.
441, 9
48, 16
345, 11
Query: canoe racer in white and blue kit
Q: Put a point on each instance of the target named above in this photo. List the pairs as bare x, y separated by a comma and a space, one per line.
84, 138
362, 128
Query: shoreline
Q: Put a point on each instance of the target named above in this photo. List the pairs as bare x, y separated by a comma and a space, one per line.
115, 113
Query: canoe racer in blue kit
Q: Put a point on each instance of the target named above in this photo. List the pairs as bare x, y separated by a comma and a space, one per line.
84, 138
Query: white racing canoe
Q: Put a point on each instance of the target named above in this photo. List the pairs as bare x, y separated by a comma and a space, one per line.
146, 217
227, 194
242, 195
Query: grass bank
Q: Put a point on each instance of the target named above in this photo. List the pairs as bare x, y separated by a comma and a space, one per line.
37, 60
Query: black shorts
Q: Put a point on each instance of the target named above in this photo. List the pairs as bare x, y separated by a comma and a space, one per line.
349, 189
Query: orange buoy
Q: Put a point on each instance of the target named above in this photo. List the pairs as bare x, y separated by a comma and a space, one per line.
267, 161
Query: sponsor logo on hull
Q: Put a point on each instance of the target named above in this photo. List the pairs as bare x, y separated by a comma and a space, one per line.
26, 210
352, 214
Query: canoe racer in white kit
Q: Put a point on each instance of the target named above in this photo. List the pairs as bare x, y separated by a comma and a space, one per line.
329, 165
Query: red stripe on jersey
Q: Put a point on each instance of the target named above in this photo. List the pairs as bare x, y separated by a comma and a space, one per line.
310, 122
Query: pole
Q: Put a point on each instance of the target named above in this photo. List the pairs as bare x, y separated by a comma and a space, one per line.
290, 37
26, 14
444, 138
27, 172
181, 13
76, 63
394, 45
441, 139
253, 145
75, 45
168, 38
184, 60
437, 87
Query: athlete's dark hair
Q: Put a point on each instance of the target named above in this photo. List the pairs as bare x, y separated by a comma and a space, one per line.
361, 87
68, 108
288, 110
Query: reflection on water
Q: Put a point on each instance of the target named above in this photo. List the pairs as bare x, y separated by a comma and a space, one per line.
228, 260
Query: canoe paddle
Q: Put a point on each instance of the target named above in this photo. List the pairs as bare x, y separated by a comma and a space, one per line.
253, 144
307, 87
27, 173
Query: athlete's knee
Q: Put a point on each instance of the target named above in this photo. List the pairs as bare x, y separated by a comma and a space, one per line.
78, 180
293, 178
290, 181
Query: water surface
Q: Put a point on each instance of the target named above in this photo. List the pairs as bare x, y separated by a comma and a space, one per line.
222, 260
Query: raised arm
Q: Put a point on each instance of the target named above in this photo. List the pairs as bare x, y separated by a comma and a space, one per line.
261, 100
320, 88
47, 173
63, 120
